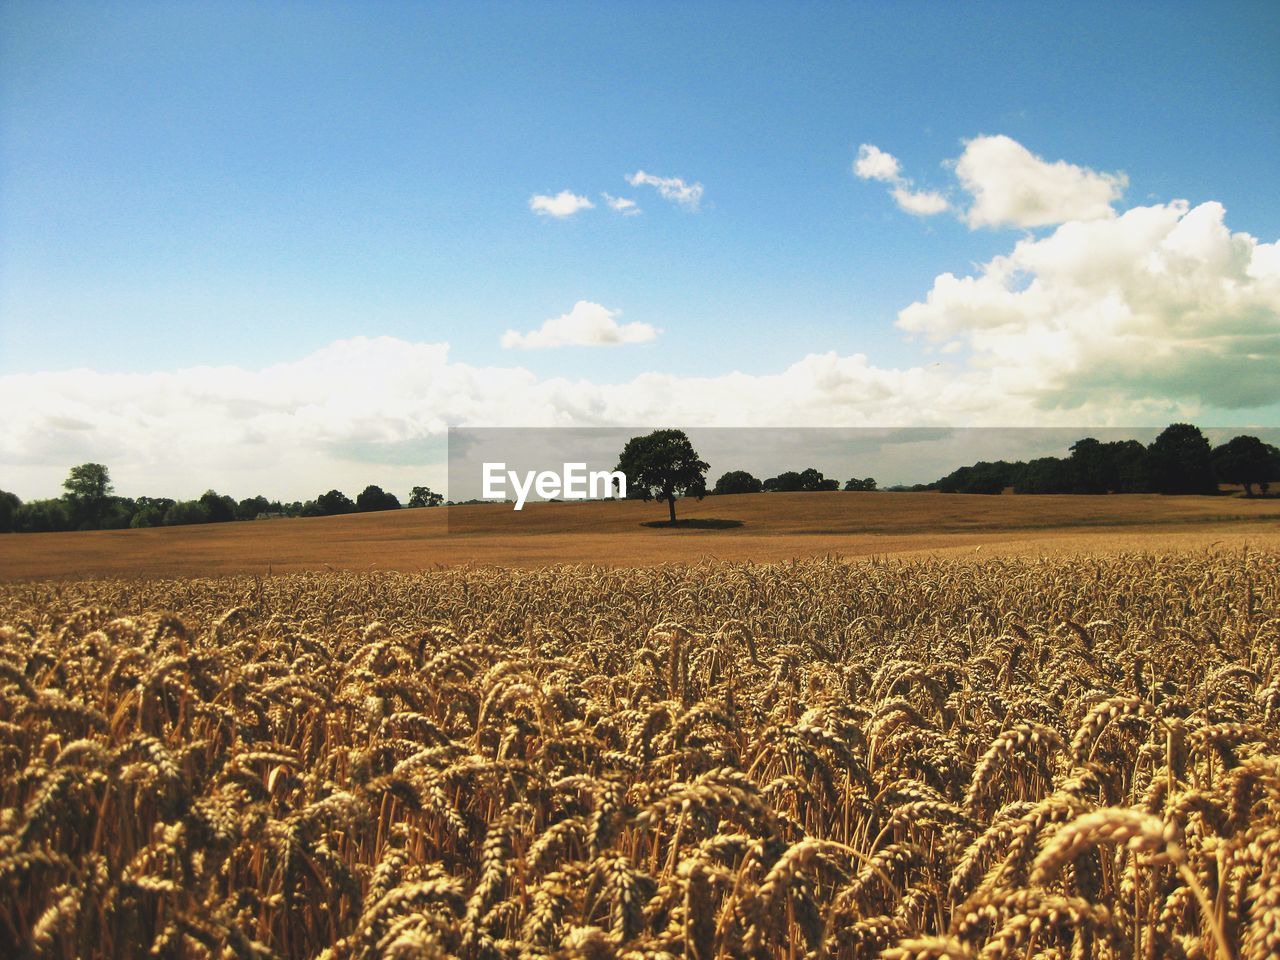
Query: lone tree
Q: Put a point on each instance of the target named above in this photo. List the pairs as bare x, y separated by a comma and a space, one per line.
88, 493
661, 466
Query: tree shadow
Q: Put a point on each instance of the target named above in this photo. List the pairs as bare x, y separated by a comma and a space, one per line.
693, 523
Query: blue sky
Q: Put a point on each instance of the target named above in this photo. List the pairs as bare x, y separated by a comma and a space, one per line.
245, 185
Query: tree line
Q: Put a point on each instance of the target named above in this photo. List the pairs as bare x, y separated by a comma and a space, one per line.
1179, 461
663, 465
807, 480
89, 502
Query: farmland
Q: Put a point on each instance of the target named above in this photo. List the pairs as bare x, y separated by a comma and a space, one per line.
909, 758
773, 527
998, 727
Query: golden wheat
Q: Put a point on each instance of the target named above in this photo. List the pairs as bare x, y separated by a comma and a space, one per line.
1073, 757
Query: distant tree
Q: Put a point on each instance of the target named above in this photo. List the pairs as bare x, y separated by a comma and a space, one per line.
982, 477
1044, 475
789, 481
424, 497
186, 512
311, 508
251, 507
808, 480
737, 481
334, 502
1089, 468
373, 498
42, 516
1247, 461
811, 479
118, 513
662, 465
149, 512
854, 484
88, 488
1130, 466
1181, 461
218, 508
9, 504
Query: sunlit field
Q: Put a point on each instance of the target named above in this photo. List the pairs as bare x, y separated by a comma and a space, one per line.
761, 527
1073, 755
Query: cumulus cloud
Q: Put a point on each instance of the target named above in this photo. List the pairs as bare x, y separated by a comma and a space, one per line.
564, 204
622, 205
923, 203
586, 325
687, 195
872, 163
1011, 186
1162, 303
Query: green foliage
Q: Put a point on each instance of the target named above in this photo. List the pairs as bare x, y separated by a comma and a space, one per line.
663, 465
218, 509
9, 504
251, 508
334, 503
424, 497
42, 516
854, 484
807, 480
789, 481
373, 498
1246, 460
1181, 461
737, 481
88, 491
983, 477
186, 511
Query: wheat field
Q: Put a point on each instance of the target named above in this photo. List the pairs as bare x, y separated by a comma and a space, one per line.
1063, 757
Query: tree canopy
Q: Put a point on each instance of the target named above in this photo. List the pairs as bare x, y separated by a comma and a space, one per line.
88, 492
737, 481
1246, 460
424, 497
334, 503
373, 498
1181, 461
663, 465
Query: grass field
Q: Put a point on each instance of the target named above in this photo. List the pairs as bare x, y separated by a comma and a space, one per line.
773, 527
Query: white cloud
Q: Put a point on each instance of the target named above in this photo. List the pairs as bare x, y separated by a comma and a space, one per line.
1160, 304
586, 325
1012, 186
621, 204
873, 163
563, 204
688, 195
923, 203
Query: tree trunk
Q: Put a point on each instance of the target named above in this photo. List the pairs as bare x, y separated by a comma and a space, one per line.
671, 502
